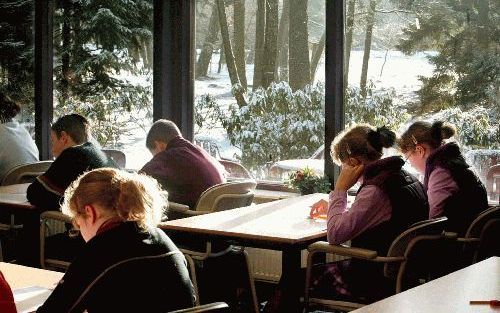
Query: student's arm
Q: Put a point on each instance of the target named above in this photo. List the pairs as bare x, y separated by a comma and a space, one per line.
48, 189
370, 208
69, 289
440, 187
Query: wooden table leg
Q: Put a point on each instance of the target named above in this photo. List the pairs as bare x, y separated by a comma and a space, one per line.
293, 283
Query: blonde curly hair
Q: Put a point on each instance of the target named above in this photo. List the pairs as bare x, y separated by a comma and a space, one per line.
130, 196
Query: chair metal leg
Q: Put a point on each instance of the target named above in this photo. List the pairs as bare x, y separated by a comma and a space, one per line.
192, 270
251, 281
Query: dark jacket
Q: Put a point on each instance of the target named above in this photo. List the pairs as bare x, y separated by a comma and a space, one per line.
185, 171
408, 201
470, 200
124, 269
48, 189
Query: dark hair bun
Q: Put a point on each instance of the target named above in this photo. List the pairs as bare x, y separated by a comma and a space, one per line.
441, 130
8, 108
387, 137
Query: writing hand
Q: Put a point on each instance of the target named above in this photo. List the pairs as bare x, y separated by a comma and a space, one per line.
319, 208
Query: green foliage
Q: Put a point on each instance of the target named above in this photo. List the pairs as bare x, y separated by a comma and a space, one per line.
381, 107
466, 36
16, 53
307, 182
98, 46
475, 128
277, 123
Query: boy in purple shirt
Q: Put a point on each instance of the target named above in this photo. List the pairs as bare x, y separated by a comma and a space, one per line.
452, 188
183, 169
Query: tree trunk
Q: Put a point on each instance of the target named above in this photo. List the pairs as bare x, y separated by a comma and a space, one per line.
209, 44
483, 11
298, 46
239, 40
222, 58
281, 66
260, 26
318, 52
370, 20
231, 65
65, 55
271, 42
349, 25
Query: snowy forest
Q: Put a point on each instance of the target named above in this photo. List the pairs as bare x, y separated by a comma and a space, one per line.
259, 70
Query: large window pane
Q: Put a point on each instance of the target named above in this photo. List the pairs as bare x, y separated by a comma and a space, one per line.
260, 83
16, 56
103, 70
409, 60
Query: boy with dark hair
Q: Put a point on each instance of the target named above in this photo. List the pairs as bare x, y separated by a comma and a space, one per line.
183, 169
74, 155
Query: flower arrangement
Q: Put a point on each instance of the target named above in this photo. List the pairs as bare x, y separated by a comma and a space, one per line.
307, 182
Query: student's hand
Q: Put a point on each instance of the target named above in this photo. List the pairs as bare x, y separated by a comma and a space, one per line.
319, 208
349, 175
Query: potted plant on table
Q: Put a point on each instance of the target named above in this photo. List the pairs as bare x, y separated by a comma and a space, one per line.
307, 181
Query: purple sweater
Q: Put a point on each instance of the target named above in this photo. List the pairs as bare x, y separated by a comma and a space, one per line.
185, 171
440, 186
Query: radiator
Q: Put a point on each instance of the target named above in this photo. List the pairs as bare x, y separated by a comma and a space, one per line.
54, 227
266, 264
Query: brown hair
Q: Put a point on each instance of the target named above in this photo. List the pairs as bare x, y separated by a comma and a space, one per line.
130, 196
363, 141
8, 108
75, 125
163, 131
422, 132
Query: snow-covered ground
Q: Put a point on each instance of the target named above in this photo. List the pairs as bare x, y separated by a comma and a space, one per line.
399, 72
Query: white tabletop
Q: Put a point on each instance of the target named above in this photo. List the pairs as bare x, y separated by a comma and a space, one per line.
285, 221
451, 293
19, 276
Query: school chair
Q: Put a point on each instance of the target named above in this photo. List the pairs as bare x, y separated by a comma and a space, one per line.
51, 223
214, 307
25, 173
225, 196
117, 156
422, 236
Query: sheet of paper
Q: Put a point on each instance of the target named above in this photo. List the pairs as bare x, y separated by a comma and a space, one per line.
28, 299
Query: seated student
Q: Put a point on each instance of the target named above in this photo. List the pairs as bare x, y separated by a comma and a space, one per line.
453, 189
127, 263
74, 154
387, 203
183, 169
17, 145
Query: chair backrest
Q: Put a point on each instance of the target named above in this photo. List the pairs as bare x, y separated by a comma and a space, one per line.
117, 156
493, 182
25, 173
476, 227
226, 196
210, 307
402, 245
488, 243
235, 170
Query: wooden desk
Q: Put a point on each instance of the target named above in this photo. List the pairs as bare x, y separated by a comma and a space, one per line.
263, 196
31, 279
450, 293
19, 276
14, 197
280, 225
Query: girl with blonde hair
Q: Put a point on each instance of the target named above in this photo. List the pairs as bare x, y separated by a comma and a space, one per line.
127, 264
452, 188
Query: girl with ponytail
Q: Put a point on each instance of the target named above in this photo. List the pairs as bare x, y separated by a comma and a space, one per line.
127, 263
387, 203
453, 189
